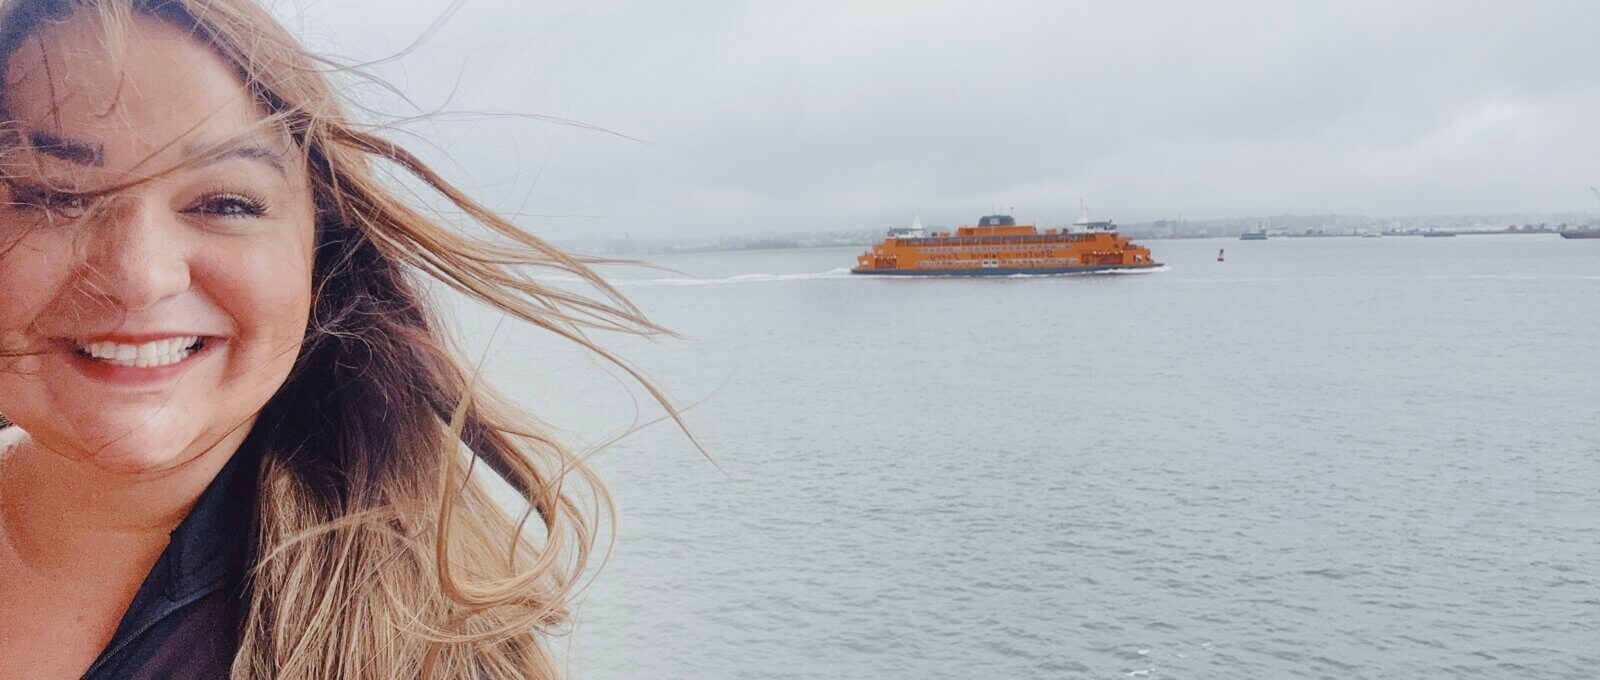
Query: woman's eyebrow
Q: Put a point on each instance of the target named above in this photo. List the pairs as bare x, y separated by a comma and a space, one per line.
93, 153
248, 152
76, 151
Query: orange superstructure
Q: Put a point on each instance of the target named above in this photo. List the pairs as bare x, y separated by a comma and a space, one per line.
1000, 246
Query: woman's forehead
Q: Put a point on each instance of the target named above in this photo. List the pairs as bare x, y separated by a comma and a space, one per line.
155, 91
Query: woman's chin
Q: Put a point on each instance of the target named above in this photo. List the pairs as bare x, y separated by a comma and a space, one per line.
131, 446
116, 460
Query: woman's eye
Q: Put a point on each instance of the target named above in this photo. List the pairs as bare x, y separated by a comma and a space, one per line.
60, 203
230, 205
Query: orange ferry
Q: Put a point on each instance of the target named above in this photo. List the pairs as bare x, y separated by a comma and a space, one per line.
999, 246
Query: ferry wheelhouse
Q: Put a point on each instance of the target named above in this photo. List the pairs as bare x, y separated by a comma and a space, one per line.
998, 246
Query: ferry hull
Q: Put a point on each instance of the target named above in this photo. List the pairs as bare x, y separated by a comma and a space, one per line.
1004, 271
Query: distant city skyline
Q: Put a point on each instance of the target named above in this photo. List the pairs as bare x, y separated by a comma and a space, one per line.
1281, 225
831, 115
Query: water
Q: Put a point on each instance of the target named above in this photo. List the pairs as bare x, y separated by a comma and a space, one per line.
1323, 458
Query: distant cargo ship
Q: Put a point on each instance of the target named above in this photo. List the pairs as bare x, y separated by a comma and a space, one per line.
1434, 233
1254, 236
1593, 233
999, 246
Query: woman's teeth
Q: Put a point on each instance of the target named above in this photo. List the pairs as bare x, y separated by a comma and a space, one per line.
146, 355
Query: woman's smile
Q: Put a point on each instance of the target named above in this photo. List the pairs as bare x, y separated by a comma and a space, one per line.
140, 361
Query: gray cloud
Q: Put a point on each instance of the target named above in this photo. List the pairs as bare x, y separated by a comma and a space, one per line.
829, 115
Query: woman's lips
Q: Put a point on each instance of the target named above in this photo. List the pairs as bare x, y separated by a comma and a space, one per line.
152, 354
141, 364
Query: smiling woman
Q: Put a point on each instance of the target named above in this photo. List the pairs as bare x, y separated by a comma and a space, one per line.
241, 445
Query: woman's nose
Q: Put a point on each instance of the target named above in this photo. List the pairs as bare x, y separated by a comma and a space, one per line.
137, 256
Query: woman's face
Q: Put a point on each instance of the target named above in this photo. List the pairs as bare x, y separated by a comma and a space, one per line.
145, 326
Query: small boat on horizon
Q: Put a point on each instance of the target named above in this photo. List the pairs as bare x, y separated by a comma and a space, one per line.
1254, 235
1435, 233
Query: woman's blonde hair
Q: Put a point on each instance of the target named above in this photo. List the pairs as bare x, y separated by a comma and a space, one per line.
378, 552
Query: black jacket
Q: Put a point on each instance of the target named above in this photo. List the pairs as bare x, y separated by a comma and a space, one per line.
185, 620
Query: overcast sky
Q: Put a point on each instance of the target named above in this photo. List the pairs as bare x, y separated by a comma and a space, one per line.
814, 115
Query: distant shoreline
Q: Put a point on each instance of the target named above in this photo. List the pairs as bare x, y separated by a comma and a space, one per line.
834, 240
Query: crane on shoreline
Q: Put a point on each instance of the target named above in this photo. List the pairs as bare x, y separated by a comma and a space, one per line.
1586, 232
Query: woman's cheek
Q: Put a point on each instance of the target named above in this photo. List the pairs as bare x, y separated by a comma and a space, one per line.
29, 280
30, 276
265, 287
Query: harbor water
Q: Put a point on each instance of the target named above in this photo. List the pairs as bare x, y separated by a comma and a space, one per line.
1321, 458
